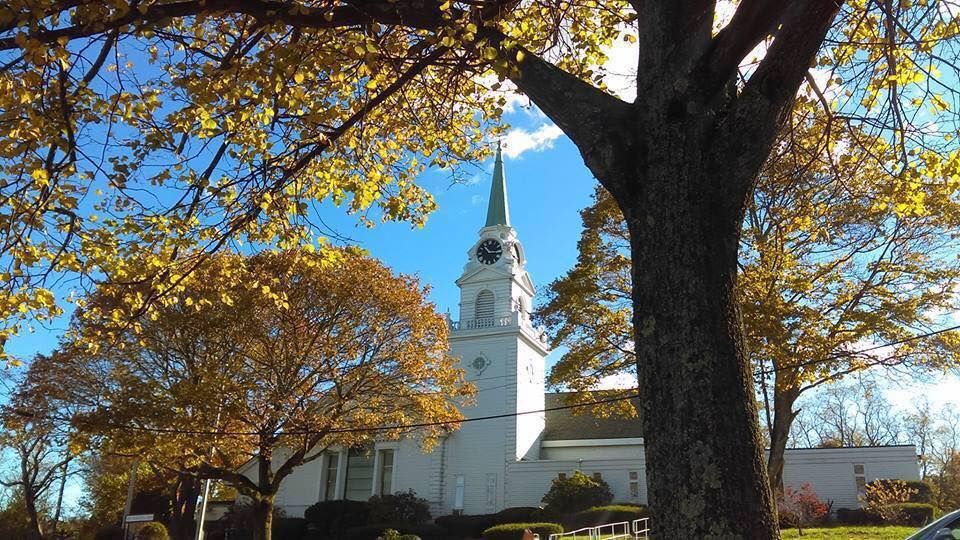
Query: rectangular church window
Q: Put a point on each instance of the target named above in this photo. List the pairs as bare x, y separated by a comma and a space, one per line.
359, 485
460, 487
330, 486
385, 480
634, 477
491, 491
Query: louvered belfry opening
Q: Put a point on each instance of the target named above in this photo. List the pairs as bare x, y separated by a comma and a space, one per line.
484, 308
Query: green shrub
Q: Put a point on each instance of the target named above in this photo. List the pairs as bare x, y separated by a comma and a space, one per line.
467, 526
426, 531
398, 508
915, 514
333, 518
518, 514
855, 516
289, 527
919, 490
601, 515
153, 531
514, 531
574, 493
473, 526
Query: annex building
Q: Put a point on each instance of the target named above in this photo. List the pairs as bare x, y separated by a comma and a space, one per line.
489, 465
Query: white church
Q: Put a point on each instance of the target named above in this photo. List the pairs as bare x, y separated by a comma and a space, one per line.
489, 465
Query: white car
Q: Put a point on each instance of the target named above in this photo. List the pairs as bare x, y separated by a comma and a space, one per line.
945, 528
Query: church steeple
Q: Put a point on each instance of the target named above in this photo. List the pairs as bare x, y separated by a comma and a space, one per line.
498, 212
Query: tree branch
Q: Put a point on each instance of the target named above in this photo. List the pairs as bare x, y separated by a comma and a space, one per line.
597, 122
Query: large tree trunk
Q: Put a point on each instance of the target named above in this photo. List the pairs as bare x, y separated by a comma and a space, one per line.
703, 446
783, 416
263, 518
30, 501
182, 523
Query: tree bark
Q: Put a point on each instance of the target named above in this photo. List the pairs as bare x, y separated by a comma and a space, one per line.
703, 446
182, 521
263, 518
783, 416
30, 501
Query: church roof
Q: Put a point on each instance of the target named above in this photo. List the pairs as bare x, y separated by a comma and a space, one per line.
498, 212
579, 423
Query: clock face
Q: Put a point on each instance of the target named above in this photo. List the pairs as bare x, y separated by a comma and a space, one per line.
489, 251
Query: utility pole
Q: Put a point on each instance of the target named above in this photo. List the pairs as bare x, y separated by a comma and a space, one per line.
131, 484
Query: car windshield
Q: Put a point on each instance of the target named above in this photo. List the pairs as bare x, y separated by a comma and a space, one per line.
921, 534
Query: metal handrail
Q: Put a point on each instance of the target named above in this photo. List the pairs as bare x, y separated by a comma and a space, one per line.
641, 527
607, 531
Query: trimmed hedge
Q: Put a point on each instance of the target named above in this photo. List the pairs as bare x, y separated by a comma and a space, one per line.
916, 514
514, 531
426, 531
855, 516
332, 518
473, 526
289, 527
398, 508
601, 515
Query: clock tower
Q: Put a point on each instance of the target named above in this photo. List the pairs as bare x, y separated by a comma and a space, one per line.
502, 354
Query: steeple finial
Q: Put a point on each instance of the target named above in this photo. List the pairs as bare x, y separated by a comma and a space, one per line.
498, 212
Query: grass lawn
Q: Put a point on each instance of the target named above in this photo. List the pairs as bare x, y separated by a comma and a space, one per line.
879, 532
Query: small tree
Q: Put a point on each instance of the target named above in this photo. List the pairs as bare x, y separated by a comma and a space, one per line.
801, 508
576, 492
273, 358
882, 499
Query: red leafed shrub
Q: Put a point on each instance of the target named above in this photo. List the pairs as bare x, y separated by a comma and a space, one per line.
800, 507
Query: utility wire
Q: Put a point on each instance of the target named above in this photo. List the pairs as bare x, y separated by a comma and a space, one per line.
847, 354
28, 414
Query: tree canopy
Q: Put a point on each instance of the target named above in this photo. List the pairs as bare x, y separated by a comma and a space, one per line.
304, 354
204, 123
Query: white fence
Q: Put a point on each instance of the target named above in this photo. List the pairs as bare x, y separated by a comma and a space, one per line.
640, 528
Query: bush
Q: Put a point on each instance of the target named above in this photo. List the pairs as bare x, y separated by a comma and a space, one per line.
426, 531
398, 508
518, 514
514, 531
883, 498
574, 493
924, 491
915, 514
333, 518
467, 526
113, 532
855, 516
289, 527
800, 508
601, 515
153, 531
473, 526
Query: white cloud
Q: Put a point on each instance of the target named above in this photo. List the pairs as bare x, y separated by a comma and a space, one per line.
518, 140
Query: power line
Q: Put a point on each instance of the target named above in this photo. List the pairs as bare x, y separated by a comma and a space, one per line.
847, 354
174, 431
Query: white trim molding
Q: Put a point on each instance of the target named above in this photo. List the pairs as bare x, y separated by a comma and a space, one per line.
569, 443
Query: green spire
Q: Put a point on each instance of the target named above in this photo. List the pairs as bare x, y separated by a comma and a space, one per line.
498, 213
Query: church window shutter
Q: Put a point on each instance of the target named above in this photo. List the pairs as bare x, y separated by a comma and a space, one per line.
484, 307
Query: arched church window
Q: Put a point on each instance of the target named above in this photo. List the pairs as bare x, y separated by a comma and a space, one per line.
484, 307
